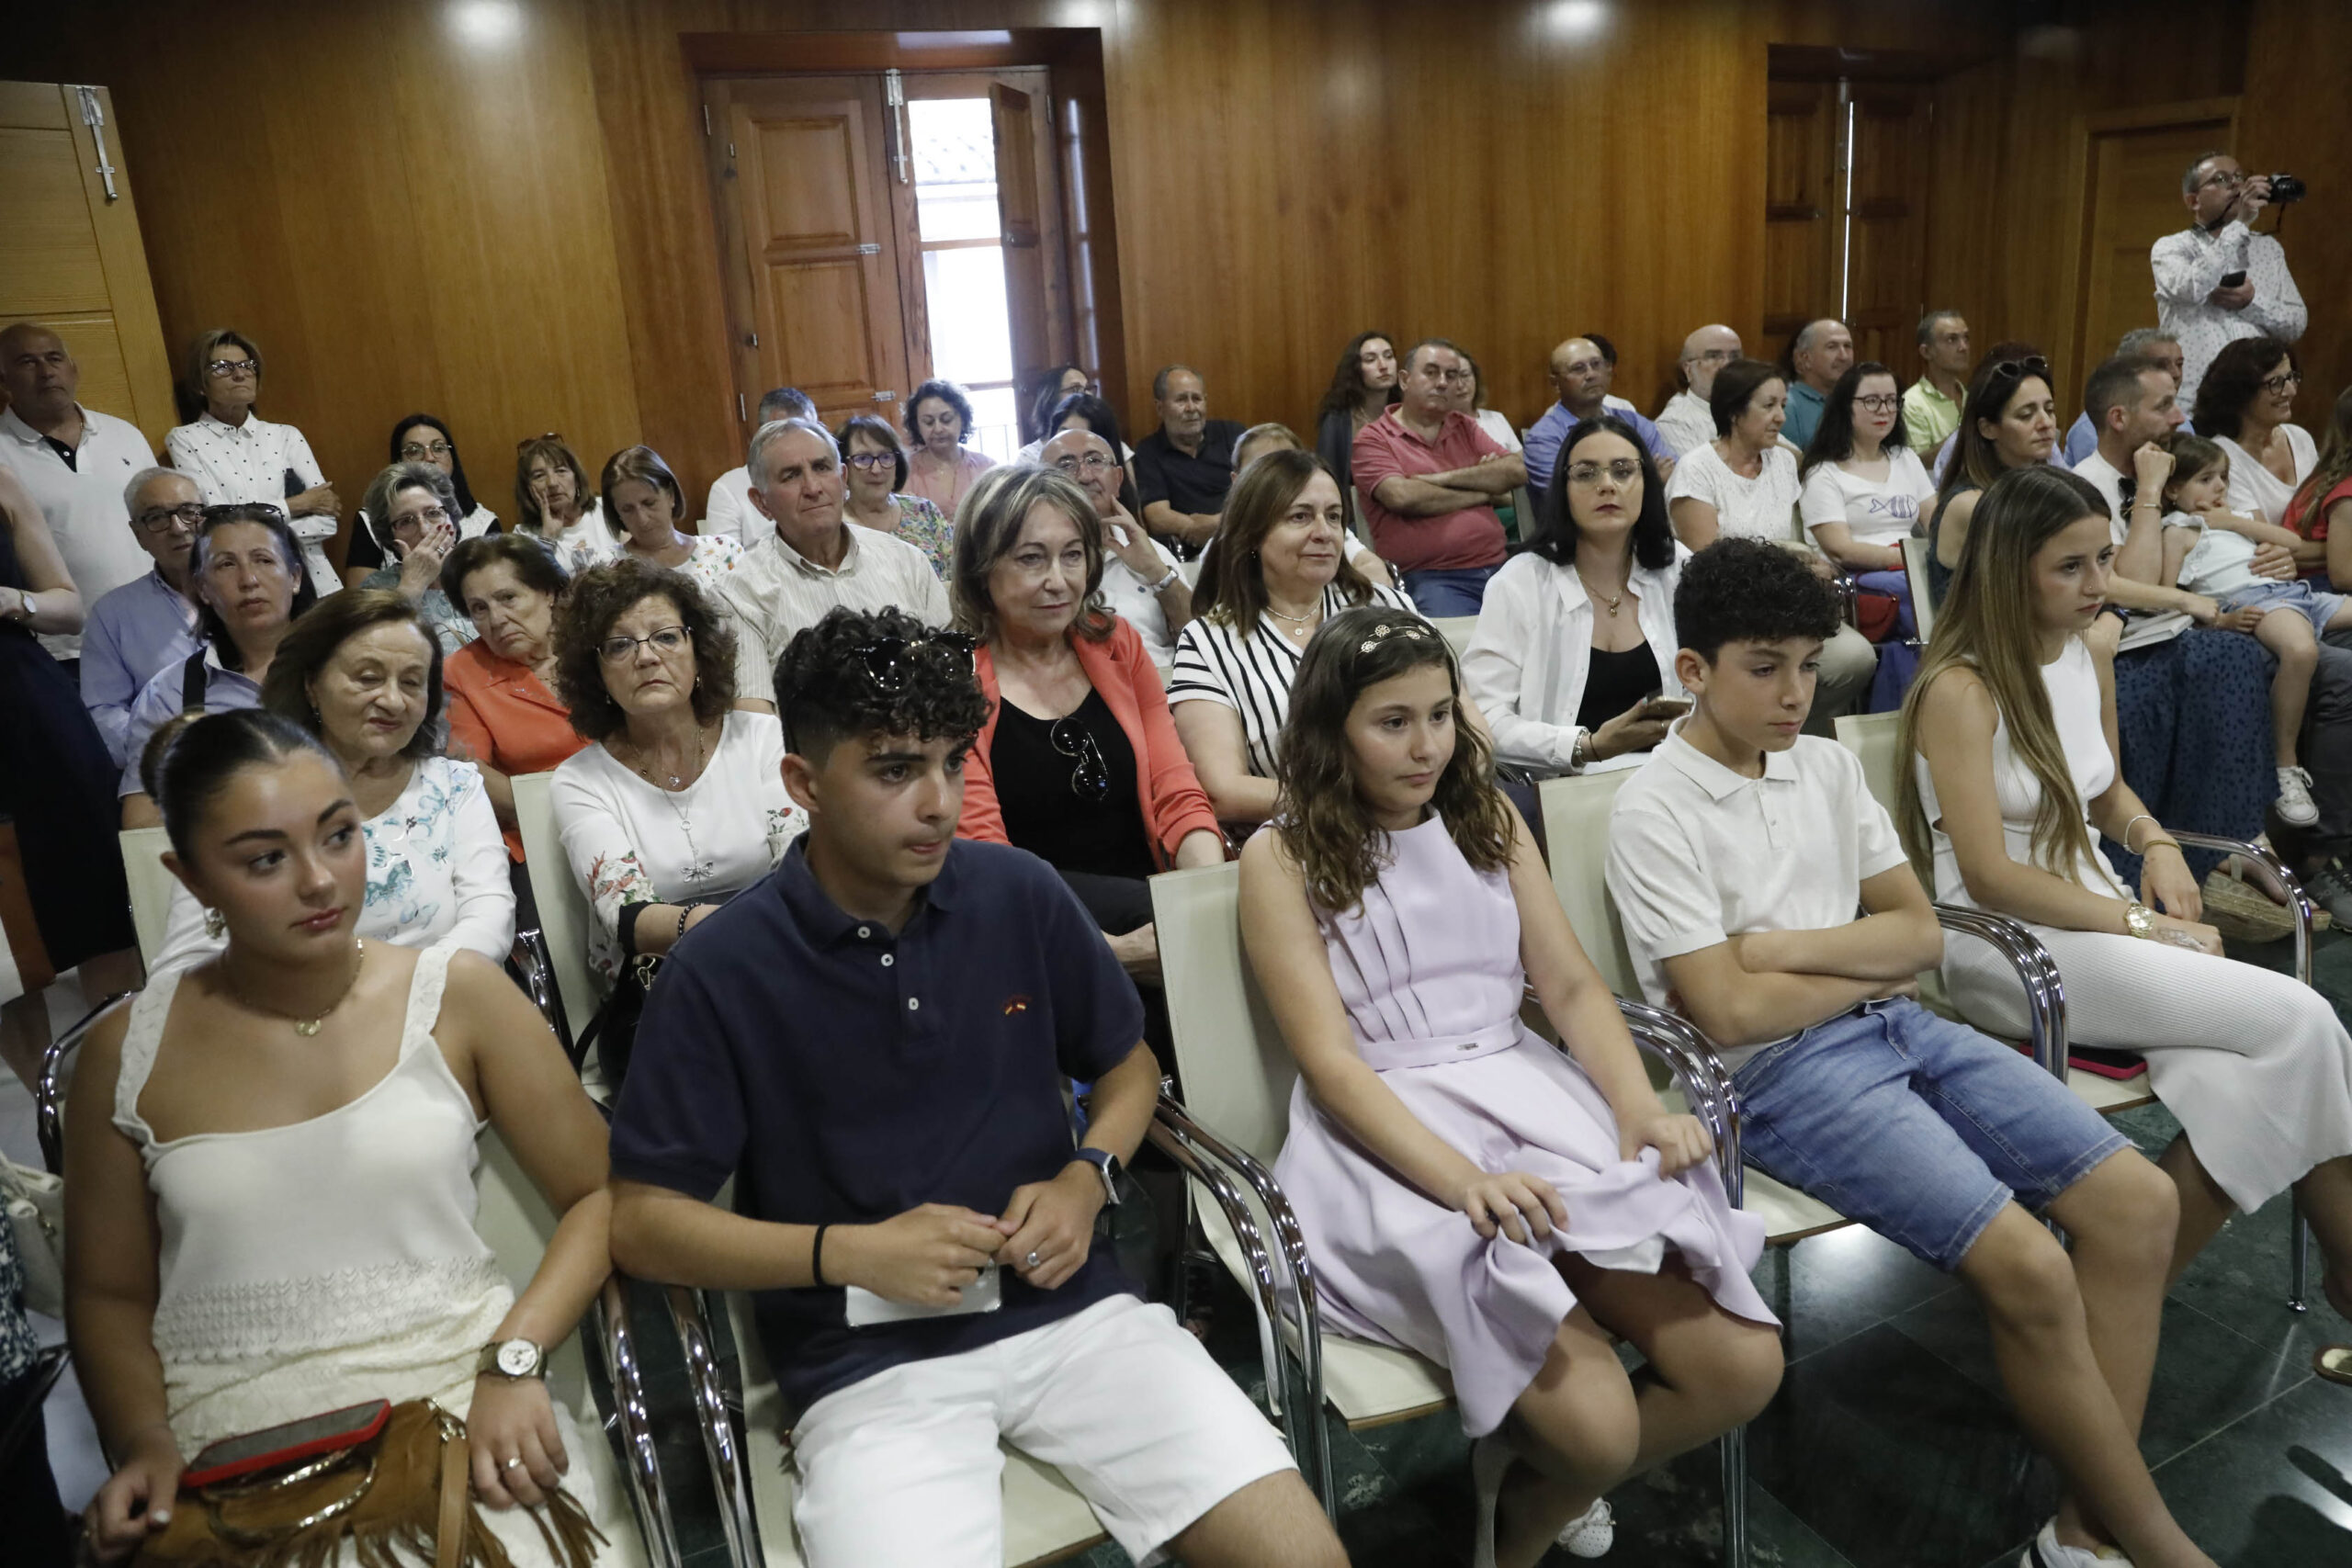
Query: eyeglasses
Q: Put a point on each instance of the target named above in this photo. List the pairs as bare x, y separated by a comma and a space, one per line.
869, 461
2285, 381
1091, 780
888, 661
1879, 403
242, 509
2223, 179
2019, 369
419, 452
190, 517
1713, 356
423, 517
669, 640
1090, 462
232, 366
1623, 471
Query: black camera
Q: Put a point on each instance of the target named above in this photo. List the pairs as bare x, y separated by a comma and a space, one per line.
2285, 188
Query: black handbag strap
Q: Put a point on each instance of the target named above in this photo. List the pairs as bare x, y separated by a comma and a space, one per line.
192, 684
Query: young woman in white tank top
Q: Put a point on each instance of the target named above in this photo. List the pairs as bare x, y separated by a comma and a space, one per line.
2011, 735
270, 1160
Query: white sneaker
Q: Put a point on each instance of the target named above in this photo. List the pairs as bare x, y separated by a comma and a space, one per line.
2295, 805
1592, 1535
2046, 1553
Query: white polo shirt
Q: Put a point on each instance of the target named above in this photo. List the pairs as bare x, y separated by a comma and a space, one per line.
776, 592
1698, 854
83, 504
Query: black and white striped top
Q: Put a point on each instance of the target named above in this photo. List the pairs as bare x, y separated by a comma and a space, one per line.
1252, 675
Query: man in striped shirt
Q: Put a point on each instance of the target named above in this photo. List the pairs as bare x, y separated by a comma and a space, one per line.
812, 559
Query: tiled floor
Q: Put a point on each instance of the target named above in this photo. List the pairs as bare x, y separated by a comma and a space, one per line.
1889, 1446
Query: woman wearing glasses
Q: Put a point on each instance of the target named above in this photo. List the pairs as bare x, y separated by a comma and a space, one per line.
1079, 761
420, 512
1863, 486
876, 465
418, 438
236, 457
2248, 397
677, 803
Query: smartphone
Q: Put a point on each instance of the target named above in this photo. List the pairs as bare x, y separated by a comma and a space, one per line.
276, 1448
1666, 708
2231, 279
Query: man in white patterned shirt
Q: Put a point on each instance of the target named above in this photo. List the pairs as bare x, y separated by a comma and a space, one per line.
2217, 280
812, 559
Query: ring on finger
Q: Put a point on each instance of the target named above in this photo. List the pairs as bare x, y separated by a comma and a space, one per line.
515, 1462
1030, 1261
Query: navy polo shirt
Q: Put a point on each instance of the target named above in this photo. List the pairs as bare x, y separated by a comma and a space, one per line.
1194, 482
843, 1075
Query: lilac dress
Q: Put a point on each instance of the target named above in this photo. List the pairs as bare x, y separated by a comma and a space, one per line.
1428, 970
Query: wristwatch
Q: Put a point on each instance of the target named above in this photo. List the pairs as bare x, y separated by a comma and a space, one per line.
1156, 589
2141, 921
1107, 1165
516, 1359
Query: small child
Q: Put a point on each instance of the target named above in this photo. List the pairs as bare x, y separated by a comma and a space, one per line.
2209, 549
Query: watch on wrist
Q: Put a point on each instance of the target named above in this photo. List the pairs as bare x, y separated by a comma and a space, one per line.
1165, 583
511, 1359
2140, 920
1106, 1165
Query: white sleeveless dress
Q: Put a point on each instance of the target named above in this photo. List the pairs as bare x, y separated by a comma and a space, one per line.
327, 1262
2255, 1065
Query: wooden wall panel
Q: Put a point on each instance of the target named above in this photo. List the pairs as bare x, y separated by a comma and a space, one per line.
2293, 118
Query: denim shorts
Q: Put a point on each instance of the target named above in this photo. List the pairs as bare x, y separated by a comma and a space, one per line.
1919, 1127
2305, 597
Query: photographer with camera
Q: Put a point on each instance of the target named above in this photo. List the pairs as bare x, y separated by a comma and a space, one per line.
2217, 281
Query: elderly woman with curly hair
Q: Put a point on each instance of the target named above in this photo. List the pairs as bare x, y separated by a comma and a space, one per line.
939, 421
677, 803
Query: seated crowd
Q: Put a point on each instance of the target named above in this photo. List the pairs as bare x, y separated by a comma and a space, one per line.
887, 749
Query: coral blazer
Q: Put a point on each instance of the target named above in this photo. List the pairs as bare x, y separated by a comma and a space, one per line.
1175, 804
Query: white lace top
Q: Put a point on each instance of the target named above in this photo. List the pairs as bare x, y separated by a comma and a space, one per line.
314, 1265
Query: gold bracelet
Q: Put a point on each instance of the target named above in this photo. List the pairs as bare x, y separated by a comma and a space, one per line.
2152, 843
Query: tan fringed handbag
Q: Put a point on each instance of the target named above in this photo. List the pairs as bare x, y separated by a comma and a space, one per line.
402, 1498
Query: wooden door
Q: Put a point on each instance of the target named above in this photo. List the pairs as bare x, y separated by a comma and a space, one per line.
1021, 231
1802, 212
1891, 151
2131, 198
70, 252
809, 243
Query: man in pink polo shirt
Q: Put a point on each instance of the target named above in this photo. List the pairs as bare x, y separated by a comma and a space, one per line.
1428, 478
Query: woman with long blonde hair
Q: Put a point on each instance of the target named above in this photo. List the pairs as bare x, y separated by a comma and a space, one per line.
2010, 734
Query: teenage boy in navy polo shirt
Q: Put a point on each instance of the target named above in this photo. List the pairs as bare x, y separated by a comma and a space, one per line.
873, 1043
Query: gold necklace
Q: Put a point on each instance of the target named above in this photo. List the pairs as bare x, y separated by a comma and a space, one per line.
308, 1028
702, 739
1613, 600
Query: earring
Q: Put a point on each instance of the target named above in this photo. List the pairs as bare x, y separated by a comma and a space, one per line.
216, 924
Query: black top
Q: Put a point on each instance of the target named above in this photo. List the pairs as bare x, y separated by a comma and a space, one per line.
1196, 484
843, 1075
1049, 797
1615, 681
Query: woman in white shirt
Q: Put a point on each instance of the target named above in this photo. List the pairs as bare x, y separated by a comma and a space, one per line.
363, 673
2246, 405
679, 803
234, 456
1744, 481
1573, 660
643, 507
551, 500
1864, 485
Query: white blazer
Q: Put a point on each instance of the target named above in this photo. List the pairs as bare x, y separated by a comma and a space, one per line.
1527, 661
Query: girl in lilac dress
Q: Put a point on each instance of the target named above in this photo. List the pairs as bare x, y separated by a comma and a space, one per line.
1468, 1192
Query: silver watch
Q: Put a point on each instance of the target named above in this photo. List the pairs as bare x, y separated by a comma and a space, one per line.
516, 1359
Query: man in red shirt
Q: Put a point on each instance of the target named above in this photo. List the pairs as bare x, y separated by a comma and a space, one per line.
1426, 478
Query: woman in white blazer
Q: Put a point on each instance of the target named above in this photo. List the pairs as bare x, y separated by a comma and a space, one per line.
1573, 659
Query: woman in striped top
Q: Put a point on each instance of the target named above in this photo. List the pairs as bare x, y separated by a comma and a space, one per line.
1284, 535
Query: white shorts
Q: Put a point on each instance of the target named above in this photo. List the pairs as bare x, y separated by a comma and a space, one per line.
903, 1467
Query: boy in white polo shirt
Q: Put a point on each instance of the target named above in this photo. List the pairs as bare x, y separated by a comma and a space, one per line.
1765, 897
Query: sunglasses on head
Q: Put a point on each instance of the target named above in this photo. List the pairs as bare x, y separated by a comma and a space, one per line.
888, 661
2019, 369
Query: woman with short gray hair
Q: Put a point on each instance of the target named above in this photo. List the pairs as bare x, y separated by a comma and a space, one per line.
235, 456
418, 505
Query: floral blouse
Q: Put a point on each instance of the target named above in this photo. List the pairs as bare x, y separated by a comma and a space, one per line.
928, 529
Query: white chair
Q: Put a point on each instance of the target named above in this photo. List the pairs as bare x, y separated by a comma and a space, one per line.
1456, 630
1915, 569
564, 916
1238, 1076
151, 886
1875, 739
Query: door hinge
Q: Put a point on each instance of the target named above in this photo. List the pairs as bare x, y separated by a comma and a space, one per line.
95, 118
741, 413
706, 119
869, 249
755, 340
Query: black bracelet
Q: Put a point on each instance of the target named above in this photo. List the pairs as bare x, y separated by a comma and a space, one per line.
682, 915
817, 1255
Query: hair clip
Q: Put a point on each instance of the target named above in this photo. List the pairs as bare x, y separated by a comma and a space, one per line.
1394, 629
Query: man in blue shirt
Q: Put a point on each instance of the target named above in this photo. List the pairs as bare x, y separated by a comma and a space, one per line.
1582, 371
1820, 352
873, 1043
146, 623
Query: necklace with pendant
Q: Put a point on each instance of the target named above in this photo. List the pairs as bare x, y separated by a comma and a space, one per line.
1614, 601
308, 1028
702, 741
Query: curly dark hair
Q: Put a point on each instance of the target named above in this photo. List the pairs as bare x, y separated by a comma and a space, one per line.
1320, 816
1750, 591
602, 596
531, 556
947, 392
312, 639
1555, 534
1347, 378
2234, 380
842, 678
1833, 438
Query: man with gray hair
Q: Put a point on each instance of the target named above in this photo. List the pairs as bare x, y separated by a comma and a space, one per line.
811, 559
1820, 352
2140, 342
75, 461
1686, 423
730, 506
149, 622
1184, 468
1931, 404
2217, 281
